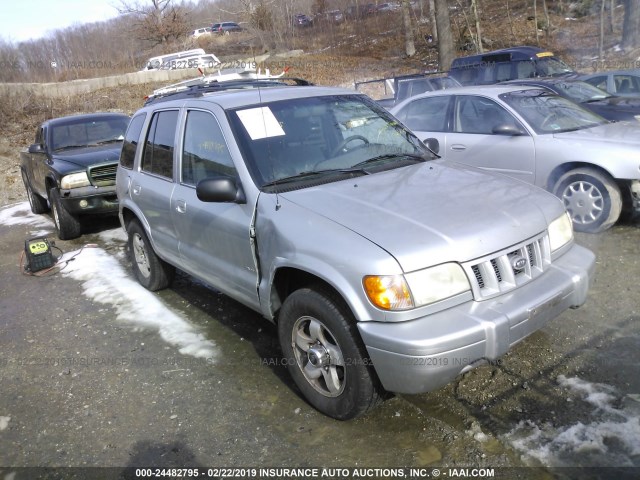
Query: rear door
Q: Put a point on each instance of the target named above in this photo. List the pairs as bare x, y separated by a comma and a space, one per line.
428, 117
152, 187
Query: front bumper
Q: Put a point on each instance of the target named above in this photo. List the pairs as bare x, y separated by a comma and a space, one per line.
426, 353
90, 200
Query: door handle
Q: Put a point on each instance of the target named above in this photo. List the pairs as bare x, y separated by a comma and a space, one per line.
458, 147
137, 189
181, 206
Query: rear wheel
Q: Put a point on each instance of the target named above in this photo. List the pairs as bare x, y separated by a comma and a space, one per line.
38, 204
67, 226
151, 271
592, 199
325, 355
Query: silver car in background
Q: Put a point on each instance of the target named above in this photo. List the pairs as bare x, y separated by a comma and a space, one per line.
538, 137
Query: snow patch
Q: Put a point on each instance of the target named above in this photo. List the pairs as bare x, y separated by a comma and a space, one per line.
4, 423
105, 281
20, 214
610, 440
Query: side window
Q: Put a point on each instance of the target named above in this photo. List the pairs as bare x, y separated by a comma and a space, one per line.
131, 139
525, 69
426, 114
600, 82
159, 146
626, 84
204, 152
479, 115
503, 72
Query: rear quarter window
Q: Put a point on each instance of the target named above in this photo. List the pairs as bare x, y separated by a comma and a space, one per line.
131, 139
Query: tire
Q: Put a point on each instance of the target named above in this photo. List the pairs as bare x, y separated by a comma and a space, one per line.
592, 198
325, 356
67, 226
151, 271
37, 203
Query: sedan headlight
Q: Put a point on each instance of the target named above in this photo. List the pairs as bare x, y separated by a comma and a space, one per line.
75, 180
416, 289
560, 231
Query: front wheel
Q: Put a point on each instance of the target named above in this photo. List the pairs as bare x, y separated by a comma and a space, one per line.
151, 271
67, 226
325, 356
592, 199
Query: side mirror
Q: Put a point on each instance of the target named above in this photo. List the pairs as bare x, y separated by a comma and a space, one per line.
36, 148
220, 189
507, 129
432, 144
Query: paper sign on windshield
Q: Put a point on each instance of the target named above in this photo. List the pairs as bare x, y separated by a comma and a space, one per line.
260, 123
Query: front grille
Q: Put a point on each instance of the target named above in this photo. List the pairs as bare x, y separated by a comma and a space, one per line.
103, 175
503, 271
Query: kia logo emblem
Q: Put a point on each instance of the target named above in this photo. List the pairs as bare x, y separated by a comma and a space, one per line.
518, 263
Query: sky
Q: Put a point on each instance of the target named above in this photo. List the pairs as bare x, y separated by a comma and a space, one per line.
32, 19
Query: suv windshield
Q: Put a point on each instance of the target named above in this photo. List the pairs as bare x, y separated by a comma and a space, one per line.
88, 132
331, 136
549, 113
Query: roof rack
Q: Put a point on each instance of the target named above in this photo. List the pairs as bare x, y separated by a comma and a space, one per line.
227, 79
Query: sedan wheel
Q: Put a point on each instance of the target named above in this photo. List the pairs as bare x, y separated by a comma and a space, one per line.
592, 199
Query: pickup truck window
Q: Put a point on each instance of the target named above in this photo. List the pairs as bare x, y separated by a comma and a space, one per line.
131, 139
158, 150
82, 133
204, 152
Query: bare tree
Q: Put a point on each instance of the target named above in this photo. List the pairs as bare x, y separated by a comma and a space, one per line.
631, 25
156, 21
474, 7
409, 44
432, 19
446, 50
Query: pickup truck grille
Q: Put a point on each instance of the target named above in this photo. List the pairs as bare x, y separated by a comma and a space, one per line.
503, 271
103, 175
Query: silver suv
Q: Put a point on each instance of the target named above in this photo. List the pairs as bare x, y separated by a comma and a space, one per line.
384, 268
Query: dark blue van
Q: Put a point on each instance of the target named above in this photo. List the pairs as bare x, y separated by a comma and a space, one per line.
507, 64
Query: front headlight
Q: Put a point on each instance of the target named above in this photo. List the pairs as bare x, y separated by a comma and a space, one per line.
75, 180
416, 289
560, 231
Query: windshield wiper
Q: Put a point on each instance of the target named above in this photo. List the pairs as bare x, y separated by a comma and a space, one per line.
389, 156
314, 173
66, 147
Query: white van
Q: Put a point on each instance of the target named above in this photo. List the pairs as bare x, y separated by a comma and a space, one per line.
165, 62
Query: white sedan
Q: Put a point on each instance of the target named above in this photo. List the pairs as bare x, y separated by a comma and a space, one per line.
536, 136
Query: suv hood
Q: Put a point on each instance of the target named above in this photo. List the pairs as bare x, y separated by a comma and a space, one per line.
418, 213
87, 156
627, 133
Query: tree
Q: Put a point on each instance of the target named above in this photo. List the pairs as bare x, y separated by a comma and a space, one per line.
631, 25
409, 44
156, 21
446, 50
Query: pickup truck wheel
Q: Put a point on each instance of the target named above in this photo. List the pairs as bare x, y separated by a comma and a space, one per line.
592, 199
151, 271
37, 203
67, 226
325, 355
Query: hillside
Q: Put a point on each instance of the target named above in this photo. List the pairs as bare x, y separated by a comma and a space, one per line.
340, 54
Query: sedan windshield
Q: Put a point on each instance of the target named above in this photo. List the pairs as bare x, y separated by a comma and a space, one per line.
580, 91
549, 113
322, 139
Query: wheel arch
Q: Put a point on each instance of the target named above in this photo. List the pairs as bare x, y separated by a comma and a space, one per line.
288, 279
560, 170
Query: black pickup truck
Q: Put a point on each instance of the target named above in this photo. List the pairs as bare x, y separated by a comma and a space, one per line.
71, 168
